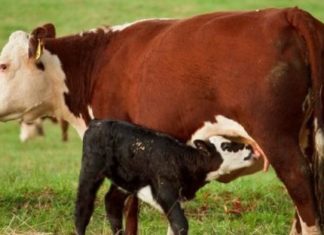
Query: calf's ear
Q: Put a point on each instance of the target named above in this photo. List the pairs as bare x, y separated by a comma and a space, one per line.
36, 39
202, 146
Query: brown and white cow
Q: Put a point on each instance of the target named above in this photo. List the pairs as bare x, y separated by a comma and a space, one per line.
32, 129
263, 69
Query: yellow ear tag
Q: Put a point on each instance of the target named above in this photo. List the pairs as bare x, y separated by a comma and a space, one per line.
39, 50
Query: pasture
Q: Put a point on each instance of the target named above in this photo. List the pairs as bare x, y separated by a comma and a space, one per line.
38, 179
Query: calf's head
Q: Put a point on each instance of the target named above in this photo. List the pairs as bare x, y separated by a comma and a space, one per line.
226, 157
27, 75
236, 158
234, 143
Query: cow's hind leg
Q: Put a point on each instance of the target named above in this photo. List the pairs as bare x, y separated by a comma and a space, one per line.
295, 173
115, 201
296, 228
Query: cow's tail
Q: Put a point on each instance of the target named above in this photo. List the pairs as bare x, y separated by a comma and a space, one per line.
311, 30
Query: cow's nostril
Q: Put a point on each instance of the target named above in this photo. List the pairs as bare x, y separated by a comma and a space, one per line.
3, 67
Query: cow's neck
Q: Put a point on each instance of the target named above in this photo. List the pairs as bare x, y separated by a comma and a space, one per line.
79, 55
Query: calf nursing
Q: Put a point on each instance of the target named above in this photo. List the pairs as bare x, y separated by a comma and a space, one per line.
153, 166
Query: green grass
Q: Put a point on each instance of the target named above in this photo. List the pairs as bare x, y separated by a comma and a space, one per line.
38, 179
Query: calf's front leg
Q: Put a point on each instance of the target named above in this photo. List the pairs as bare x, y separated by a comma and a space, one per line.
172, 208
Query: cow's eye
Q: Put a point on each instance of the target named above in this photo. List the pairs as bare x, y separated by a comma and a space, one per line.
3, 67
40, 65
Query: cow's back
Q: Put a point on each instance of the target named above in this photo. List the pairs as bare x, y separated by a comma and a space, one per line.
247, 66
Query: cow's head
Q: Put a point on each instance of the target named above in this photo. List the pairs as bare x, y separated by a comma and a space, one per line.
27, 75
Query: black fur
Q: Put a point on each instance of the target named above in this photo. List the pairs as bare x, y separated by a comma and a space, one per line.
133, 157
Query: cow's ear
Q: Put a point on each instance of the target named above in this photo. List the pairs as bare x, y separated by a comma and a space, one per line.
50, 31
36, 39
202, 146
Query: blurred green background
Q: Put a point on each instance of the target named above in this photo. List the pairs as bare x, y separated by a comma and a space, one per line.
76, 15
38, 179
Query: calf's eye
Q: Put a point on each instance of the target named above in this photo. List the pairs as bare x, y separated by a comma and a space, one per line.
232, 146
225, 146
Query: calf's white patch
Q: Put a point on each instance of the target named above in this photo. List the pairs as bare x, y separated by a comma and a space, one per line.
232, 160
145, 194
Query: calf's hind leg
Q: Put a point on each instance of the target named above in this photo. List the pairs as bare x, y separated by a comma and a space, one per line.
85, 204
90, 180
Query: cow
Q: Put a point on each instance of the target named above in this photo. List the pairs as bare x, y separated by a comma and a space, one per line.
154, 167
263, 69
33, 129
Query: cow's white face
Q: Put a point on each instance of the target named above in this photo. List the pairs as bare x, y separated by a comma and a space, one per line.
236, 156
26, 90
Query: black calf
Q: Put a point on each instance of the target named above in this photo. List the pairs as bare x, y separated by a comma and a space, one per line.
153, 166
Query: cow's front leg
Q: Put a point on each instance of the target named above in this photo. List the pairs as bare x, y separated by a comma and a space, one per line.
114, 202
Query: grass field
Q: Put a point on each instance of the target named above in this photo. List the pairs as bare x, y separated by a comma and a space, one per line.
38, 179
